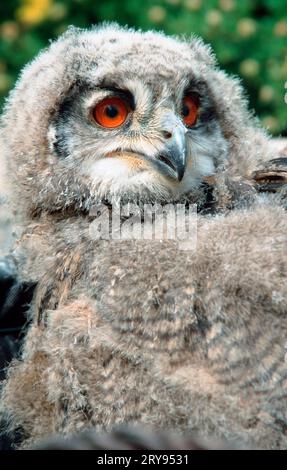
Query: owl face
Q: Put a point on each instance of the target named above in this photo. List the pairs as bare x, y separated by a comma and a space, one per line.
137, 123
117, 114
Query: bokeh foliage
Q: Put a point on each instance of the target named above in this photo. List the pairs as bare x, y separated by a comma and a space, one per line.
248, 36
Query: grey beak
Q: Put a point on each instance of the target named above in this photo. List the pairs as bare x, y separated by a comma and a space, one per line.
172, 160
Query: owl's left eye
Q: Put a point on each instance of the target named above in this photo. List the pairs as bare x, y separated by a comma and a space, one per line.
189, 110
111, 112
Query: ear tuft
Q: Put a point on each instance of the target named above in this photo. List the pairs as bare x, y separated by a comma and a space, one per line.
203, 52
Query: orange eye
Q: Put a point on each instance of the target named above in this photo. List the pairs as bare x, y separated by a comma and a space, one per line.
189, 111
111, 112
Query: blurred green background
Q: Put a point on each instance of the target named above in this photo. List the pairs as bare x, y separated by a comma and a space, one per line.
248, 36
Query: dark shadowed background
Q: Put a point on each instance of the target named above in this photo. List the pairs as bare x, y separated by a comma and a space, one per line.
248, 36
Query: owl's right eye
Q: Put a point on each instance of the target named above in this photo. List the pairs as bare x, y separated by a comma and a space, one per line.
111, 112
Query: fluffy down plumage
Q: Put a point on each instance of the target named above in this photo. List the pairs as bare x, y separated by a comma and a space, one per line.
141, 332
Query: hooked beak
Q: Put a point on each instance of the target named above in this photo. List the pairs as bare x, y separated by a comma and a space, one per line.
172, 160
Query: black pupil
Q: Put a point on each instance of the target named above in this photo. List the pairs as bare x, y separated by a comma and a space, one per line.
185, 110
111, 111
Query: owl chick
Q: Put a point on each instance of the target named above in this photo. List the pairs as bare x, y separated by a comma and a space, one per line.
137, 332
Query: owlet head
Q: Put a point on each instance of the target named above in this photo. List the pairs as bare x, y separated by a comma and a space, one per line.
116, 114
